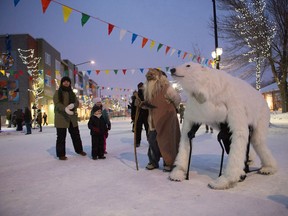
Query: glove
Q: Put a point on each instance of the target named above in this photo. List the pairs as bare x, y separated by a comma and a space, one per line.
109, 127
68, 111
70, 106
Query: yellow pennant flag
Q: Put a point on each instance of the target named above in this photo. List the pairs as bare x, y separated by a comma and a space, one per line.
152, 44
107, 71
66, 13
3, 72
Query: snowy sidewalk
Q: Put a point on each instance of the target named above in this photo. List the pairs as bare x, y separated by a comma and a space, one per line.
34, 182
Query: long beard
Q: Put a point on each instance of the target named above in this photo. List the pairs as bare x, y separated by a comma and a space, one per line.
152, 88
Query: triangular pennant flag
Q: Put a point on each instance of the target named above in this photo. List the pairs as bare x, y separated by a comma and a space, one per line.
142, 69
16, 2
159, 47
132, 71
84, 19
172, 52
107, 71
122, 33
184, 55
89, 72
167, 68
134, 36
45, 4
190, 56
110, 28
152, 44
66, 13
115, 71
7, 74
97, 72
124, 71
2, 72
167, 50
75, 72
83, 72
179, 51
199, 59
144, 41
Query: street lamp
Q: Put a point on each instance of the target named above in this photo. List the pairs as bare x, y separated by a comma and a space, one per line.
90, 62
216, 56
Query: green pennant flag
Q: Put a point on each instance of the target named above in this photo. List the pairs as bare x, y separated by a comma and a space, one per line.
115, 71
159, 47
84, 19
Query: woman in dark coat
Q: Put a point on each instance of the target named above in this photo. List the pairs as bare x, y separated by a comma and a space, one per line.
65, 109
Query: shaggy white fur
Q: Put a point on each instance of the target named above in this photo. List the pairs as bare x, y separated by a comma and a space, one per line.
217, 97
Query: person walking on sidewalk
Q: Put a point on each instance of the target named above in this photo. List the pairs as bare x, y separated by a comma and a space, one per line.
65, 110
45, 119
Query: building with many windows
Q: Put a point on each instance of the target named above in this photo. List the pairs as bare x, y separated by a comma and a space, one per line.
33, 64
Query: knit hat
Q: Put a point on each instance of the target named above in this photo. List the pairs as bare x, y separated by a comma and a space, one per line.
96, 100
96, 108
65, 78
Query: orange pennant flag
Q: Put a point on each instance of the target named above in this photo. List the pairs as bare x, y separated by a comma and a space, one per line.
97, 72
144, 41
45, 4
66, 13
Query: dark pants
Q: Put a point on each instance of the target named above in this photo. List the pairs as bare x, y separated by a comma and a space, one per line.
97, 146
142, 120
28, 127
19, 125
153, 151
61, 140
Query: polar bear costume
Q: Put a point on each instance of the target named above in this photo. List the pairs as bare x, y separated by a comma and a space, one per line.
216, 97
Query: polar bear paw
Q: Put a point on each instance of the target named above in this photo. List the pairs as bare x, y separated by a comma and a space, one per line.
268, 170
177, 174
221, 183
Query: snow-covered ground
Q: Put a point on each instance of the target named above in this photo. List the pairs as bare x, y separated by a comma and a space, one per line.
34, 182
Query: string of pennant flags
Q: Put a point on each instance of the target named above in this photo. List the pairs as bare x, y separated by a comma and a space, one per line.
67, 11
18, 74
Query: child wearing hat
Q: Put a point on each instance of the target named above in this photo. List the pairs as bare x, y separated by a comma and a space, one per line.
98, 129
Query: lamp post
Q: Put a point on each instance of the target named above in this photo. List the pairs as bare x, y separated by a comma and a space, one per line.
217, 55
86, 62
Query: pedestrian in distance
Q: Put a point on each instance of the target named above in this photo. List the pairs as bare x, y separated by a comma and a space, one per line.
27, 120
45, 119
65, 110
39, 119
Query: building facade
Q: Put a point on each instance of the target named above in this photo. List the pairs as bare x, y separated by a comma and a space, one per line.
23, 59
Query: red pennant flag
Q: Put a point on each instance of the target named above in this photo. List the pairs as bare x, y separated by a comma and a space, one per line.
97, 72
75, 72
167, 50
184, 55
144, 41
45, 4
124, 71
110, 28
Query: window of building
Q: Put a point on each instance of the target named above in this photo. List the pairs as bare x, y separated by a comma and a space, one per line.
47, 59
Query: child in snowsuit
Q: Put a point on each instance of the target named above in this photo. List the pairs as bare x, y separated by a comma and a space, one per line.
98, 129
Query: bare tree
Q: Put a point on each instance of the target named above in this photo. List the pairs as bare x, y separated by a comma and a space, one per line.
249, 28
